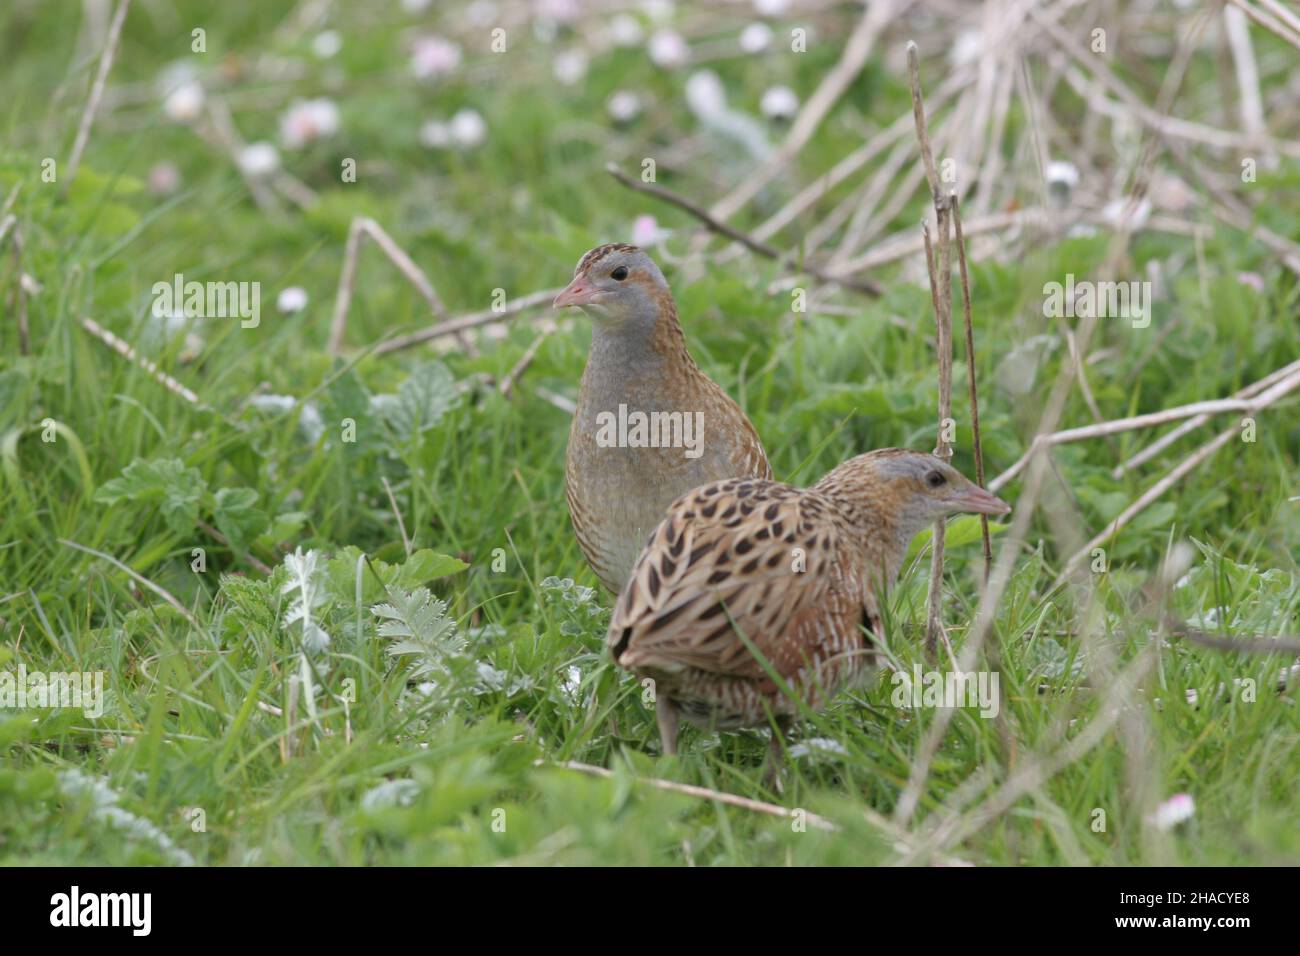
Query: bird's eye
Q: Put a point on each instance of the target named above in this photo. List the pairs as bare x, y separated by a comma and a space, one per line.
934, 479
619, 274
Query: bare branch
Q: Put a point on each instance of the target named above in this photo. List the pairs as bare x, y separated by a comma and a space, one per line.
731, 232
96, 94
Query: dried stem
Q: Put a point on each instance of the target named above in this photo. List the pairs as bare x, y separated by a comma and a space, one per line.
125, 350
96, 94
363, 227
714, 224
970, 375
1201, 410
941, 294
469, 321
525, 360
719, 796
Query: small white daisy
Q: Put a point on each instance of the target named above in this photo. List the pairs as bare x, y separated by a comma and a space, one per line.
668, 50
184, 104
326, 44
779, 103
623, 106
259, 159
468, 129
307, 121
292, 299
756, 38
433, 56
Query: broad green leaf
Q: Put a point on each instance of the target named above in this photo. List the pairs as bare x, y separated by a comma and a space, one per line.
428, 393
164, 481
238, 517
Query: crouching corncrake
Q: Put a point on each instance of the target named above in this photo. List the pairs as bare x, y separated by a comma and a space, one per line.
746, 568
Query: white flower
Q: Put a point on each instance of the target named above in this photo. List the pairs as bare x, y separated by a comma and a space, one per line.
1122, 213
1255, 281
756, 38
432, 57
967, 47
184, 104
164, 179
326, 44
624, 106
771, 8
646, 231
779, 103
1063, 173
275, 404
259, 159
668, 50
561, 10
818, 746
307, 121
705, 95
415, 6
292, 299
1177, 809
625, 30
468, 129
435, 134
312, 426
570, 67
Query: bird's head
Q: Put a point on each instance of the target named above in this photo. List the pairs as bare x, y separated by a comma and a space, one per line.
910, 488
616, 283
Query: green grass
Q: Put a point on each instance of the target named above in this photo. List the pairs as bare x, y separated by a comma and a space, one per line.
462, 770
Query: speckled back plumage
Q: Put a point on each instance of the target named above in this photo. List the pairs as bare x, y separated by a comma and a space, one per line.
725, 559
754, 599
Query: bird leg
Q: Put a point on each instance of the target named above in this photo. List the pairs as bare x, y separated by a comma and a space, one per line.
776, 756
666, 715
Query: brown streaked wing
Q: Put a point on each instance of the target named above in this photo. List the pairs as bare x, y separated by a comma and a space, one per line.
698, 579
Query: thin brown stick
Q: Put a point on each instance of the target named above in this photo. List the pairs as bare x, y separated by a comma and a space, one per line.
525, 360
151, 368
468, 321
719, 796
1151, 494
397, 512
222, 540
1191, 424
139, 579
1236, 645
1102, 429
941, 294
1276, 27
971, 380
714, 224
857, 49
96, 94
364, 227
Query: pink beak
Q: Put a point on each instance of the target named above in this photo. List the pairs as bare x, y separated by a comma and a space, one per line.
578, 292
980, 502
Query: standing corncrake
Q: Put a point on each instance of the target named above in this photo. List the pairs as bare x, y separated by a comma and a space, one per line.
639, 365
801, 573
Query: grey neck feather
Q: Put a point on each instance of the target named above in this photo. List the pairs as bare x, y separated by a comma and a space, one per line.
623, 350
